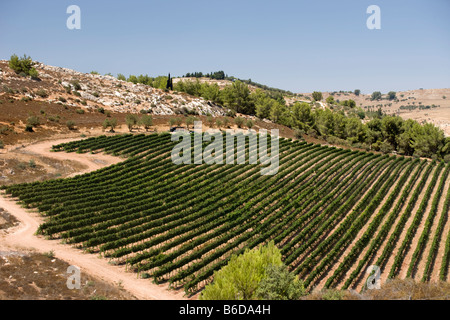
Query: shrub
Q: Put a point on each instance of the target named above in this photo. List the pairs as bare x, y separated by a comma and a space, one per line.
62, 99
239, 122
28, 128
33, 121
34, 74
70, 124
96, 94
298, 133
80, 111
84, 103
240, 278
101, 110
2, 145
26, 99
32, 163
76, 85
21, 65
42, 93
280, 284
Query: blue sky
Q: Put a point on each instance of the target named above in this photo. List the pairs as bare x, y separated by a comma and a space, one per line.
296, 45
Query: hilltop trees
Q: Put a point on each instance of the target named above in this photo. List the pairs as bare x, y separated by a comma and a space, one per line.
376, 96
392, 95
317, 96
23, 66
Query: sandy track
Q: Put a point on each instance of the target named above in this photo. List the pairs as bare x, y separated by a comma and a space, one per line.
92, 162
23, 237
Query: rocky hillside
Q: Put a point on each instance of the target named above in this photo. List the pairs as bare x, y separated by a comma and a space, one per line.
91, 91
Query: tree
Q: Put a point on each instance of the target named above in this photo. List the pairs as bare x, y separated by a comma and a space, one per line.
210, 121
131, 120
110, 123
121, 77
34, 74
237, 98
133, 79
219, 123
189, 121
351, 103
280, 284
317, 96
146, 121
330, 100
21, 65
239, 122
392, 95
178, 121
240, 278
357, 92
376, 96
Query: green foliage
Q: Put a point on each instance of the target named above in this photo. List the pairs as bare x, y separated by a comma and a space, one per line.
41, 93
392, 95
376, 96
239, 122
131, 120
330, 100
76, 84
240, 278
146, 121
2, 144
332, 294
121, 77
22, 65
317, 96
280, 284
70, 124
112, 123
357, 92
34, 74
33, 121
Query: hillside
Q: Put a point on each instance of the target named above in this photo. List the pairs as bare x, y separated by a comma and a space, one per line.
422, 105
92, 91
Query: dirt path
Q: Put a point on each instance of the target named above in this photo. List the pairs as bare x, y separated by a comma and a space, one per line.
23, 236
92, 162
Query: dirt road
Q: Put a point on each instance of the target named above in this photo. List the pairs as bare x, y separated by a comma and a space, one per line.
23, 236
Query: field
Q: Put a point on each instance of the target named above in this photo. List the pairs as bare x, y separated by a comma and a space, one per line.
332, 212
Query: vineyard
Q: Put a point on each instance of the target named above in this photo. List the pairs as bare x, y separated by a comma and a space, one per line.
332, 212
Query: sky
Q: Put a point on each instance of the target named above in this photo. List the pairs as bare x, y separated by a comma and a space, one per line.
296, 45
